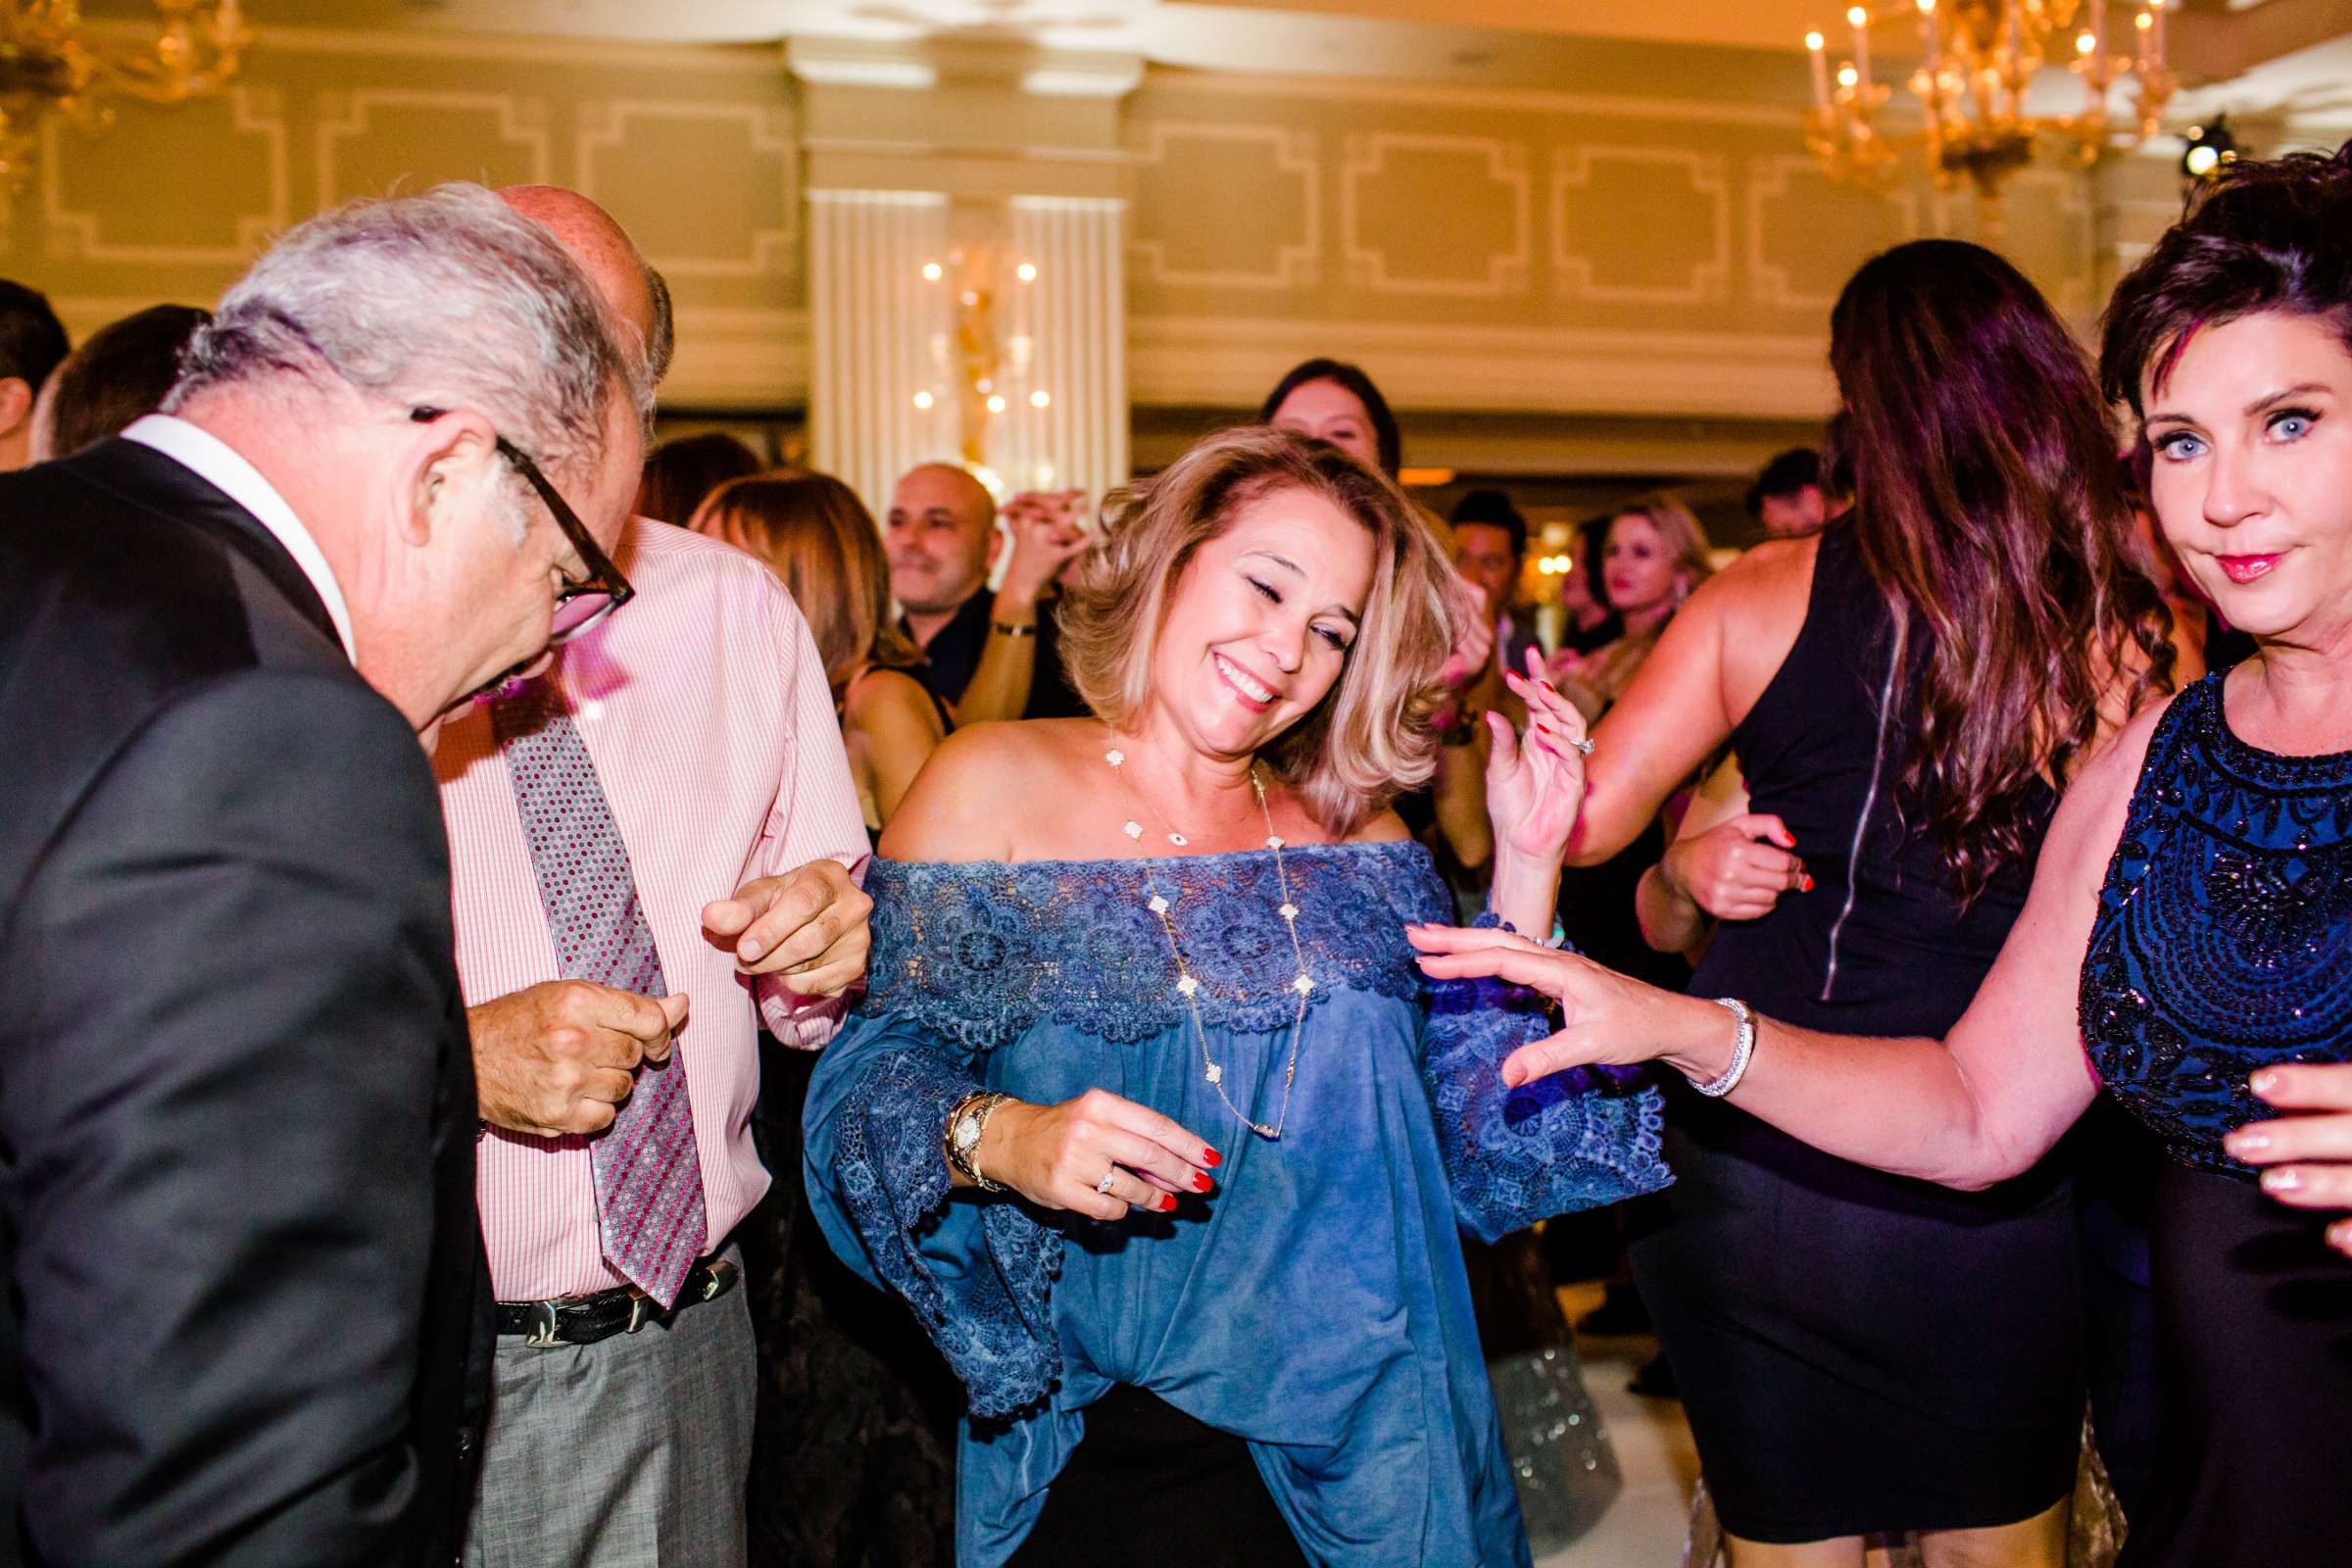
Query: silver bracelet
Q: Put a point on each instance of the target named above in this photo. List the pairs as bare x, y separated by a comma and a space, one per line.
1743, 1050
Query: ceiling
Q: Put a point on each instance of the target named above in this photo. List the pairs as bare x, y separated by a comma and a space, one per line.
2287, 56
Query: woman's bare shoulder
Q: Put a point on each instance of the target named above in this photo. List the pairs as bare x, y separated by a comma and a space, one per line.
890, 697
1384, 828
977, 795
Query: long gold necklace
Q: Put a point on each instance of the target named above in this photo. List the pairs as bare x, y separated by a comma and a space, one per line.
1188, 986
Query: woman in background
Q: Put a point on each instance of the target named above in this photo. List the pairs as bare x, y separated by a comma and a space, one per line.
821, 541
1334, 401
1861, 1353
1653, 558
681, 472
2190, 917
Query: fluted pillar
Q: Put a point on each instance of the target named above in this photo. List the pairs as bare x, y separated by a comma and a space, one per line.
975, 159
875, 327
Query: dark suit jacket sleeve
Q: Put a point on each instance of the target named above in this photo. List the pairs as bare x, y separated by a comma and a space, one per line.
240, 950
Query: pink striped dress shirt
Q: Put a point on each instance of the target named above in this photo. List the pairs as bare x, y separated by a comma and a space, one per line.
705, 709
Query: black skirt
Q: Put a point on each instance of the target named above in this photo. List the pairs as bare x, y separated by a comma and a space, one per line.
1859, 1352
2254, 1383
1150, 1484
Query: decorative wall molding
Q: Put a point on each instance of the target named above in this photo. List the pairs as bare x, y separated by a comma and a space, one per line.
349, 116
1768, 181
1294, 154
1709, 280
739, 359
1365, 157
1220, 361
75, 236
1276, 89
774, 246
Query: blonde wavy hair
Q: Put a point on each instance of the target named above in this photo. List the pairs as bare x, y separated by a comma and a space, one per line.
1604, 676
1369, 738
816, 535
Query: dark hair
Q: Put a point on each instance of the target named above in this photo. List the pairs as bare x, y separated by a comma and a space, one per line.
1989, 512
680, 474
1785, 475
818, 538
1340, 373
122, 370
32, 340
2259, 236
1494, 508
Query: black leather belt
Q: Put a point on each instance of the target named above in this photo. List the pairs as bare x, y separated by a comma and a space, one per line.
623, 1309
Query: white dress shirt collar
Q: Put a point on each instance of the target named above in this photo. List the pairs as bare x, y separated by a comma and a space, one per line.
215, 460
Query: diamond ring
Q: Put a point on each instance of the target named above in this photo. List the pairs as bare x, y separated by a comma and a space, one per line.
1584, 747
1108, 1176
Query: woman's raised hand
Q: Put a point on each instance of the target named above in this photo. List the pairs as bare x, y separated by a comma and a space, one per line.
1606, 1019
1057, 1157
2308, 1152
1536, 782
1737, 870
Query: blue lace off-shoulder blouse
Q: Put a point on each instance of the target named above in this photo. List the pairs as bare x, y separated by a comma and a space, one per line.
1314, 1303
2223, 942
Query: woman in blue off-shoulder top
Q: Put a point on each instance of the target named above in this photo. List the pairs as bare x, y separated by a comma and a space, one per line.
1148, 1112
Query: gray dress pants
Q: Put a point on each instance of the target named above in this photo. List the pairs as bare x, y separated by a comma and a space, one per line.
632, 1453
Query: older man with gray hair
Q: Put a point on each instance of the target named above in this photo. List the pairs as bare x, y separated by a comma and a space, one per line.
242, 1318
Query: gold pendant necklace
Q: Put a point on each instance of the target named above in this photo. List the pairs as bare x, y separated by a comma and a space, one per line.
1188, 986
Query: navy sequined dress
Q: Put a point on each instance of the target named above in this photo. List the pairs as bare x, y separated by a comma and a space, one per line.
2223, 945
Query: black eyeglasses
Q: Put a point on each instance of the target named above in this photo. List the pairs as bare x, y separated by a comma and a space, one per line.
579, 604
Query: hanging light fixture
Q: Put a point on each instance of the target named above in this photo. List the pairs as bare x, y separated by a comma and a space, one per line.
50, 64
1977, 61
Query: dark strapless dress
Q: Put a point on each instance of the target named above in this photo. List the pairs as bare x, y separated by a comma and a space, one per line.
1859, 1352
2223, 945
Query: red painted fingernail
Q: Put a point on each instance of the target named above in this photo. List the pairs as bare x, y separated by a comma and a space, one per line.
1806, 886
1200, 1180
1211, 1159
1170, 1206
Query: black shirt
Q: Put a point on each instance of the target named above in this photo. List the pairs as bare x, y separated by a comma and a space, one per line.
952, 657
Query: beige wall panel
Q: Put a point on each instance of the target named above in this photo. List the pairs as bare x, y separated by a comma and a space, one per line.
694, 149
377, 140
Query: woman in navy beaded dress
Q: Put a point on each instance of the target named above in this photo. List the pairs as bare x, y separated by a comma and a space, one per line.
2186, 946
1148, 1112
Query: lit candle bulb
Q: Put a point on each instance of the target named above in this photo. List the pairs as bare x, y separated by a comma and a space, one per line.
1821, 72
2157, 48
1927, 38
1859, 18
2145, 23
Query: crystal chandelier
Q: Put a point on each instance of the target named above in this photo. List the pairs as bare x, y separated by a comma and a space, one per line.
1978, 58
49, 63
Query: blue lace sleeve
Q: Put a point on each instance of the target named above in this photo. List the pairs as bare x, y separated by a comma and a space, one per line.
979, 1273
1575, 1140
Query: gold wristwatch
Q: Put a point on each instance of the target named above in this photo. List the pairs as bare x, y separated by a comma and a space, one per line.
965, 1123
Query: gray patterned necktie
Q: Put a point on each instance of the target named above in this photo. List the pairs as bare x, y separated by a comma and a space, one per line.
649, 1178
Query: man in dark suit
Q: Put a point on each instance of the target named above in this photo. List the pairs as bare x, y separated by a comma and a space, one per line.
241, 1270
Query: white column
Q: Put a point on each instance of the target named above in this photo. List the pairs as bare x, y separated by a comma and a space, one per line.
878, 331
1069, 330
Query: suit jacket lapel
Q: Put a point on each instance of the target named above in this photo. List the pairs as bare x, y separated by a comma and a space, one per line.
143, 478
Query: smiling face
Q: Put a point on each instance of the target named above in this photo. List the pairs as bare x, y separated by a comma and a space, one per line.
1257, 630
1641, 573
1329, 412
940, 536
2252, 477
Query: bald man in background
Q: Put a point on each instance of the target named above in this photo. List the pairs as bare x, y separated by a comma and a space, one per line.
651, 848
987, 655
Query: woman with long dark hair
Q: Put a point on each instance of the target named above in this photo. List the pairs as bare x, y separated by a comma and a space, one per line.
1907, 691
2187, 945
